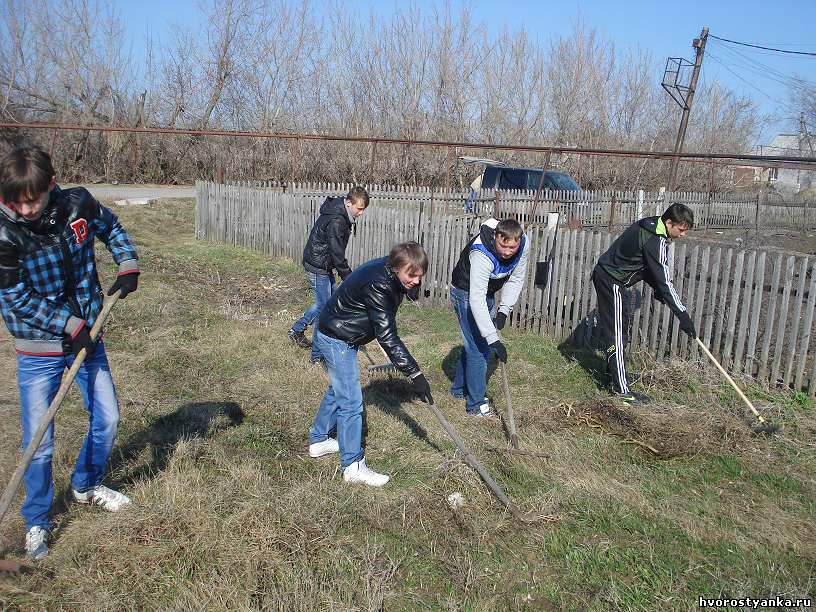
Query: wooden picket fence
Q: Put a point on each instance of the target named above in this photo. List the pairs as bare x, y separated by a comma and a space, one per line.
753, 309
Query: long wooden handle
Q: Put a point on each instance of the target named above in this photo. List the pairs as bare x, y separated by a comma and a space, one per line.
478, 467
506, 391
49, 415
729, 379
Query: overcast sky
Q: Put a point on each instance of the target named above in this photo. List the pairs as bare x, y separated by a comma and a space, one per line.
667, 29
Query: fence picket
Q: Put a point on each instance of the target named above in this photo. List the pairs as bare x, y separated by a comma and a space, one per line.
796, 337
783, 317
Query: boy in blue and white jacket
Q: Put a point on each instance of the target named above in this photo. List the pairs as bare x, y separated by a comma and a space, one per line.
494, 259
49, 298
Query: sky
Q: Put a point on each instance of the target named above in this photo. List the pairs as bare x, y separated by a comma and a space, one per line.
667, 29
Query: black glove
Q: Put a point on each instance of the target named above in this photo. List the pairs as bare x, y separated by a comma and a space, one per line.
686, 324
82, 340
500, 350
501, 319
126, 282
420, 386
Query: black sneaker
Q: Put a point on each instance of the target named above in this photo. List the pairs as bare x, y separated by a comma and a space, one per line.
319, 362
298, 338
633, 398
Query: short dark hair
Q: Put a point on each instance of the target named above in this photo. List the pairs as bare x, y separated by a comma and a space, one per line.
25, 171
409, 254
509, 229
679, 214
358, 195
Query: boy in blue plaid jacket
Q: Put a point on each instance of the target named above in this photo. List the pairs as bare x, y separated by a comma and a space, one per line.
49, 299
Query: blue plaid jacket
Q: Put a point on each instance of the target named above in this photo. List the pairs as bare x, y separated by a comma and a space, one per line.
49, 287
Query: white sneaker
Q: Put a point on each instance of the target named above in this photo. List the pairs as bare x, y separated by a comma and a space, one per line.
327, 446
484, 411
35, 546
102, 496
358, 472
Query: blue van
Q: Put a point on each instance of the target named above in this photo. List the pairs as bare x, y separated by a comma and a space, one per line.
499, 176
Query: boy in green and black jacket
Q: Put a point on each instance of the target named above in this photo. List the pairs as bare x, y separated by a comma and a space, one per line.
639, 253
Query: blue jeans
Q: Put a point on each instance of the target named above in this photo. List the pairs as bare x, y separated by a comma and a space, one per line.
323, 286
39, 379
342, 406
470, 380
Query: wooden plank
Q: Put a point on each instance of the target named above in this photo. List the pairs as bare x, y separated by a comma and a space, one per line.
770, 319
701, 288
709, 309
605, 243
545, 296
807, 329
579, 281
569, 293
557, 305
720, 321
524, 313
745, 311
752, 359
587, 306
736, 292
783, 324
796, 336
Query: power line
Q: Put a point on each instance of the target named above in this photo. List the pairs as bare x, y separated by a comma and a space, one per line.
741, 61
733, 42
749, 84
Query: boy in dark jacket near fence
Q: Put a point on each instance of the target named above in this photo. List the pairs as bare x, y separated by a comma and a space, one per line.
363, 309
50, 297
639, 253
325, 252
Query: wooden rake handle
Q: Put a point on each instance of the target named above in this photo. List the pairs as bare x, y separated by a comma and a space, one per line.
478, 467
506, 390
730, 380
49, 415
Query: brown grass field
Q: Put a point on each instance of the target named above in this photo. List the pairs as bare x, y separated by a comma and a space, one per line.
645, 508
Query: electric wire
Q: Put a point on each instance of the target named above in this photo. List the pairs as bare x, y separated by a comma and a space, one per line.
756, 67
732, 60
733, 42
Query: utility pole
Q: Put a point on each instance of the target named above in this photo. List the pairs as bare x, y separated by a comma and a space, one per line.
683, 95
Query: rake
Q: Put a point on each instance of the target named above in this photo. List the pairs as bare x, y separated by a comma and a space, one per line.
764, 426
513, 435
386, 367
479, 469
45, 423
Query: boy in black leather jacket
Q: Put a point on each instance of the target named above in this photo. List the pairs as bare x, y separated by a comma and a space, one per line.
325, 252
361, 310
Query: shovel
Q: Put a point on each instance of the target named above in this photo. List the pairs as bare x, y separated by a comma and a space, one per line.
764, 426
48, 418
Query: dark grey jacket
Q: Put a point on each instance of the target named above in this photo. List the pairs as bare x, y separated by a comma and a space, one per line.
325, 250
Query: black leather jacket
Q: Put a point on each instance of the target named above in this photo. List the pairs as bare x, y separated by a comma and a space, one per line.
325, 251
364, 307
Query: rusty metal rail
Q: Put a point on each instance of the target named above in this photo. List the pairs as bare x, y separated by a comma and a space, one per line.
762, 161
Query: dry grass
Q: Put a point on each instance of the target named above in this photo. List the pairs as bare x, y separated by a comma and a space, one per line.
640, 508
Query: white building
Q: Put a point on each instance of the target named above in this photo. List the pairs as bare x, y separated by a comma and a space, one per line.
788, 181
